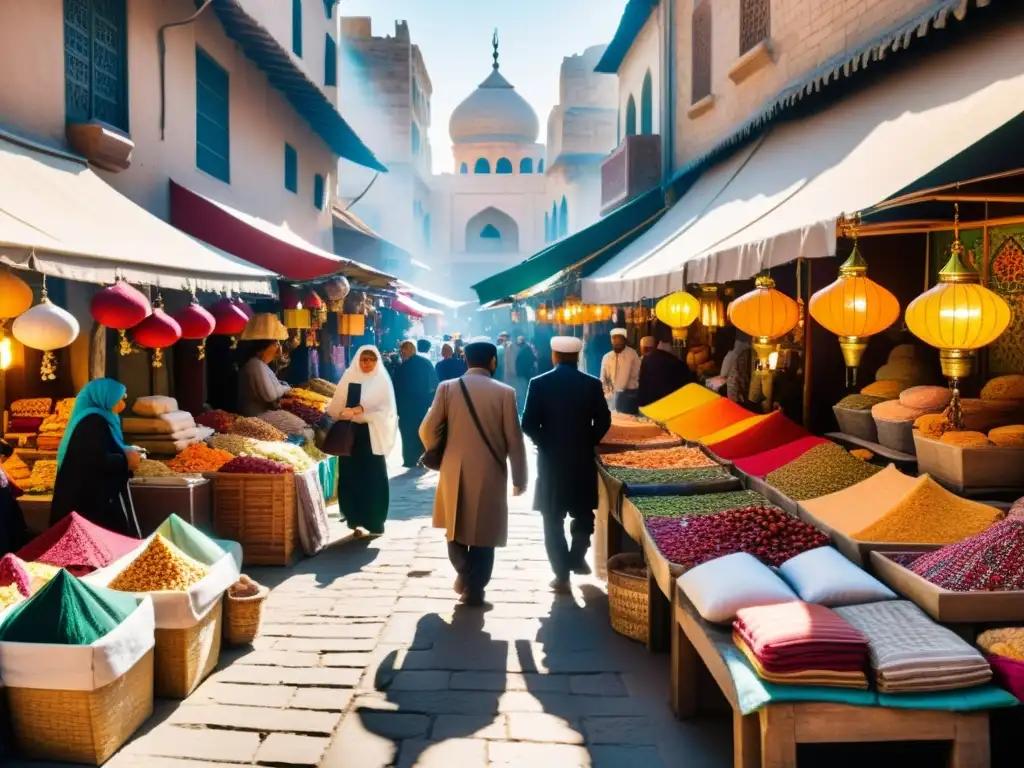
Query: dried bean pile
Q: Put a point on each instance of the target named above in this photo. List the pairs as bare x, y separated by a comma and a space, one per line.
255, 465
824, 469
698, 504
859, 402
663, 458
667, 476
989, 562
308, 414
150, 468
218, 421
769, 534
287, 422
233, 444
257, 429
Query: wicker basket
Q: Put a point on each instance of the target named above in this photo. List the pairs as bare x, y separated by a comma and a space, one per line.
244, 616
260, 512
184, 657
627, 597
82, 726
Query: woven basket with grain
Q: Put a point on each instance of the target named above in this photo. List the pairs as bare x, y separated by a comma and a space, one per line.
244, 617
184, 657
627, 596
82, 726
260, 512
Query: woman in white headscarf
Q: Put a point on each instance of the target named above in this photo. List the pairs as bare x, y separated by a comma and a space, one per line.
366, 398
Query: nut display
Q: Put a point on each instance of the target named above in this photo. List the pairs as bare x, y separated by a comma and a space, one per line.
150, 468
218, 421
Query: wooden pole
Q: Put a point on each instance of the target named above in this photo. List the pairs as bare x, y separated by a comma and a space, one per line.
807, 354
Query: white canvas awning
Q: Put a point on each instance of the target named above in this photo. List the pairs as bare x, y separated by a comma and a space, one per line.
779, 198
61, 219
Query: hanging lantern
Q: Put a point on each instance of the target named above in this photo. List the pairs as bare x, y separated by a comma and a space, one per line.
157, 332
571, 311
120, 307
765, 314
317, 307
854, 308
15, 295
229, 319
290, 297
196, 324
958, 316
246, 309
712, 312
677, 311
352, 325
46, 327
337, 288
298, 318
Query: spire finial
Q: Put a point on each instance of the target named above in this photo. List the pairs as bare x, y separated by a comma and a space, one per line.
494, 42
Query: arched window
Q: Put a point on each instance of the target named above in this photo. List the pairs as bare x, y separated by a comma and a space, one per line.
631, 116
563, 219
330, 61
483, 165
463, 168
504, 165
490, 232
647, 106
526, 165
297, 27
554, 222
547, 227
540, 165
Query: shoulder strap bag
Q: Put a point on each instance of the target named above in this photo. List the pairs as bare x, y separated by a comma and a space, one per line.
431, 459
479, 427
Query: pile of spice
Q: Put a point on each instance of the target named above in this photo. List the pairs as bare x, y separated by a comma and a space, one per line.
307, 397
257, 429
859, 402
199, 457
27, 577
150, 468
682, 400
855, 508
78, 545
217, 420
190, 540
631, 476
755, 435
682, 457
313, 452
929, 514
823, 469
767, 533
43, 476
67, 612
697, 504
661, 441
255, 465
1006, 641
629, 429
160, 567
10, 595
285, 453
707, 419
308, 415
991, 561
287, 422
233, 444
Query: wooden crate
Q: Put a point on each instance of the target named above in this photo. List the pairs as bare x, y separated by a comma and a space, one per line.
260, 512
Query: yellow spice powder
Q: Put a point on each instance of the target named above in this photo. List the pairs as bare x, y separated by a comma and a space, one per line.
161, 567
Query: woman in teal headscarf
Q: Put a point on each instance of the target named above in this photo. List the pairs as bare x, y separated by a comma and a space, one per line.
93, 463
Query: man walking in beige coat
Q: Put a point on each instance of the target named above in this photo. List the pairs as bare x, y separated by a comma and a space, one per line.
477, 420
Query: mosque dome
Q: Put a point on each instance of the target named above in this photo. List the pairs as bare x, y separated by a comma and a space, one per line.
494, 112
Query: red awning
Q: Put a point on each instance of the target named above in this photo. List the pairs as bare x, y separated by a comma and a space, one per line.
411, 307
260, 242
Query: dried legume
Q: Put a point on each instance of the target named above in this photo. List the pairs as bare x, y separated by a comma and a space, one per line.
218, 421
824, 469
161, 567
666, 476
859, 402
233, 444
257, 429
287, 422
150, 468
697, 504
664, 458
661, 441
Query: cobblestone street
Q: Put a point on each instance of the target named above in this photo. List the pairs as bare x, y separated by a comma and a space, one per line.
366, 661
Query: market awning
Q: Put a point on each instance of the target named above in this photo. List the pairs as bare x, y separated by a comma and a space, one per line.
633, 19
287, 75
593, 242
409, 306
272, 247
61, 219
430, 296
779, 198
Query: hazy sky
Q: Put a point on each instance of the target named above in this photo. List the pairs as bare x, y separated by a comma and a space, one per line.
455, 38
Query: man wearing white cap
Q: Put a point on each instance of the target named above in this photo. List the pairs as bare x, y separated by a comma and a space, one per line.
620, 374
566, 416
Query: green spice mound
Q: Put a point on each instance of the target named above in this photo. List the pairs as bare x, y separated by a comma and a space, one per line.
698, 504
826, 468
859, 402
633, 476
67, 612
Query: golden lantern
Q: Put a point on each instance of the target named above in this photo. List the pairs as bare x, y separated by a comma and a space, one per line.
298, 318
765, 314
352, 325
854, 308
958, 316
571, 311
712, 311
677, 311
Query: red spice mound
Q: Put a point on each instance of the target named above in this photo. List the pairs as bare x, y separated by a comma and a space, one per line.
770, 433
218, 421
760, 464
78, 545
13, 572
767, 533
991, 561
707, 419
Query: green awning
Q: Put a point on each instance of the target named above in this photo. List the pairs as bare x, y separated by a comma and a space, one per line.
597, 240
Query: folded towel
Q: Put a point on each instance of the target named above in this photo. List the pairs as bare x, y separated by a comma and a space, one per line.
164, 424
939, 683
857, 679
794, 627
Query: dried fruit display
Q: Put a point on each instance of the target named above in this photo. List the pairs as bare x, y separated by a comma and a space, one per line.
199, 457
257, 429
697, 504
824, 469
218, 420
244, 587
287, 422
255, 465
160, 567
991, 561
682, 457
31, 407
308, 397
58, 420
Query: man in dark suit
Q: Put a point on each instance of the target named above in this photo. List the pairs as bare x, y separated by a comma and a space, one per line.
661, 372
415, 382
566, 416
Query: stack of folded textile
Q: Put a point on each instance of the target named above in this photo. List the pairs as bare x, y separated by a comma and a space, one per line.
164, 434
802, 644
912, 654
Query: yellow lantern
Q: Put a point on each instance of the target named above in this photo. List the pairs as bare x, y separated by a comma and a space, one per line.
765, 314
571, 312
854, 308
958, 316
712, 312
677, 311
15, 295
298, 318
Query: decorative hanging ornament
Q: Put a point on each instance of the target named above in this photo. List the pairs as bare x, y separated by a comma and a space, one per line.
765, 314
712, 312
678, 310
242, 305
290, 297
229, 319
337, 288
854, 308
15, 295
46, 327
196, 324
120, 307
958, 316
317, 307
157, 332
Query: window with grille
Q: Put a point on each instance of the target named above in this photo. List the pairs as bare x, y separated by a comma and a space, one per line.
700, 71
95, 61
213, 113
755, 23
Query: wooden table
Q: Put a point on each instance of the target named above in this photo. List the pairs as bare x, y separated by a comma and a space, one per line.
768, 738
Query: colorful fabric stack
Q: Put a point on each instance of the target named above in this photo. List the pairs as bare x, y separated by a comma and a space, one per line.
912, 654
760, 464
78, 545
989, 562
761, 433
682, 400
707, 419
802, 644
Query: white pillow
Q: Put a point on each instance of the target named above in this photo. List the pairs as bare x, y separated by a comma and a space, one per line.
154, 405
719, 588
825, 577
